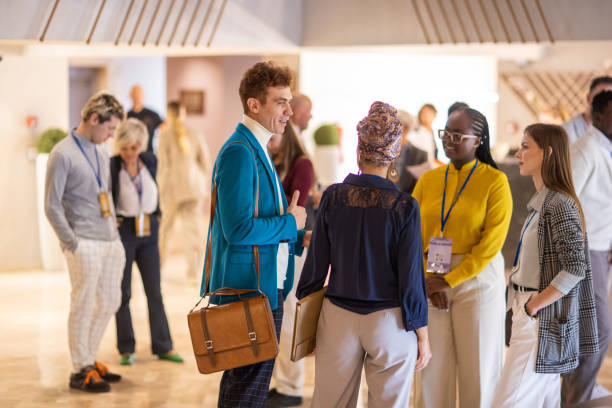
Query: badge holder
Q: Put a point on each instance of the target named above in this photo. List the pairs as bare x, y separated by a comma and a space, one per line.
142, 224
439, 255
104, 204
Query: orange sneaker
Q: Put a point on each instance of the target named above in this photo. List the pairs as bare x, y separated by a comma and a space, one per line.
105, 374
89, 380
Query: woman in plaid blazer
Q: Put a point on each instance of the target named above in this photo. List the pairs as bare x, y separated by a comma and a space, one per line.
550, 287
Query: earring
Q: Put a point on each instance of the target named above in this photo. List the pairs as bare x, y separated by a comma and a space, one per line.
392, 173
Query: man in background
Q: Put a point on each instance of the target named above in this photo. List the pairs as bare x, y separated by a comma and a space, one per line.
147, 116
591, 159
578, 125
301, 105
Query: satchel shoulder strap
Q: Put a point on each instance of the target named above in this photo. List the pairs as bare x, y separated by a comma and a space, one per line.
213, 205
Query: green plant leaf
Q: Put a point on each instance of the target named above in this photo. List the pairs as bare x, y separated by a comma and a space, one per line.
326, 135
49, 138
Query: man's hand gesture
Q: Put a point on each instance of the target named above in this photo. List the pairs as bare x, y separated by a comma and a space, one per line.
299, 213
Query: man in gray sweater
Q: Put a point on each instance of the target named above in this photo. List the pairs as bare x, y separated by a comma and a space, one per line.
79, 207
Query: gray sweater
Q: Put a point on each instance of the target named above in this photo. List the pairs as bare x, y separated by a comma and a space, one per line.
71, 193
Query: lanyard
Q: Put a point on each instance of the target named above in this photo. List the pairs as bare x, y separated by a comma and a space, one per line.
136, 181
518, 248
97, 174
442, 217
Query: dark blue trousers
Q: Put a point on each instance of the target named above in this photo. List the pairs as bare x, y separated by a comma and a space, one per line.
145, 252
248, 386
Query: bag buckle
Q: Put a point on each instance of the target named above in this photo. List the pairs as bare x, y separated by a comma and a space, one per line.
209, 344
252, 336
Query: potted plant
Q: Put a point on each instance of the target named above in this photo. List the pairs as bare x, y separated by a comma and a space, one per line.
49, 244
327, 153
50, 138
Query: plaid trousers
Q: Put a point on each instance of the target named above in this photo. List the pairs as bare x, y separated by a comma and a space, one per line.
95, 268
248, 386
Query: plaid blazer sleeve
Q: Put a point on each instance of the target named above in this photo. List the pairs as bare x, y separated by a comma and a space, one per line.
568, 238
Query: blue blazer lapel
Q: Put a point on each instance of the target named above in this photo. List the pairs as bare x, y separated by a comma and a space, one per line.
261, 155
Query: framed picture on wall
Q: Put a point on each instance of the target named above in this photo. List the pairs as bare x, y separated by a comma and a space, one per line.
193, 101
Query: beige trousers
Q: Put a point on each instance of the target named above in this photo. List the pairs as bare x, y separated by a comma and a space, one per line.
520, 386
96, 270
467, 343
288, 376
192, 236
348, 342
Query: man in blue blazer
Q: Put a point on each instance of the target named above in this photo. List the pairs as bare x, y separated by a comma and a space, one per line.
265, 95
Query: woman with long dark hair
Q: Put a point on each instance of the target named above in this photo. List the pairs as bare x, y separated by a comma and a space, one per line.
292, 164
465, 213
550, 288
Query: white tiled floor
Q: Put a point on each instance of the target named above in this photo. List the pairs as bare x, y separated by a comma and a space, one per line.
34, 359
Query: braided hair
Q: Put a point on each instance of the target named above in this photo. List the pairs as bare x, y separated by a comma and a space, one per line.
480, 126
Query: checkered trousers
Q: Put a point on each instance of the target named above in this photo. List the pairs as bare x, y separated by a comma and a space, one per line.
247, 387
96, 269
568, 327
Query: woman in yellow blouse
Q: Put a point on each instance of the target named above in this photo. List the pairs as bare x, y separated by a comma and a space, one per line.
465, 213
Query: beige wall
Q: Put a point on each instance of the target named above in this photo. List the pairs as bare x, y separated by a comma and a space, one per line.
219, 78
510, 109
149, 72
30, 86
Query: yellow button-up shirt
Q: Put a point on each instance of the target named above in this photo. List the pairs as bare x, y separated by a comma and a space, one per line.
479, 221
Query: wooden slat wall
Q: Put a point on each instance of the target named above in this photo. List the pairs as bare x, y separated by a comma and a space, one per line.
563, 92
182, 18
496, 21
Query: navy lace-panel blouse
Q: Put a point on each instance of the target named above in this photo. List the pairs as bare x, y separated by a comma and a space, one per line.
369, 232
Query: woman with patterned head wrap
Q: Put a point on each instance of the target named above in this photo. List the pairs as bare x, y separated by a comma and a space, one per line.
374, 315
465, 214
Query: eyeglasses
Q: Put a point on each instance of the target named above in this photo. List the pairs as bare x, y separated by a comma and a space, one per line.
455, 137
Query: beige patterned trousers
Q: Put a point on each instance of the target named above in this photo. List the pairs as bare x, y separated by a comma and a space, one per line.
96, 270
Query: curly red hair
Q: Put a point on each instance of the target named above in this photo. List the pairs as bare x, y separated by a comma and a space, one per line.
257, 79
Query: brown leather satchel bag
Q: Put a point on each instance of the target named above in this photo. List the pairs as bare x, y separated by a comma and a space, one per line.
237, 333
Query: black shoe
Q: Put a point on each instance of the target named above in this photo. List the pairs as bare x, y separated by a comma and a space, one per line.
105, 374
89, 380
276, 399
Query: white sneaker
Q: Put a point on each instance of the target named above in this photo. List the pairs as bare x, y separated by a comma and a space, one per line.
599, 391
